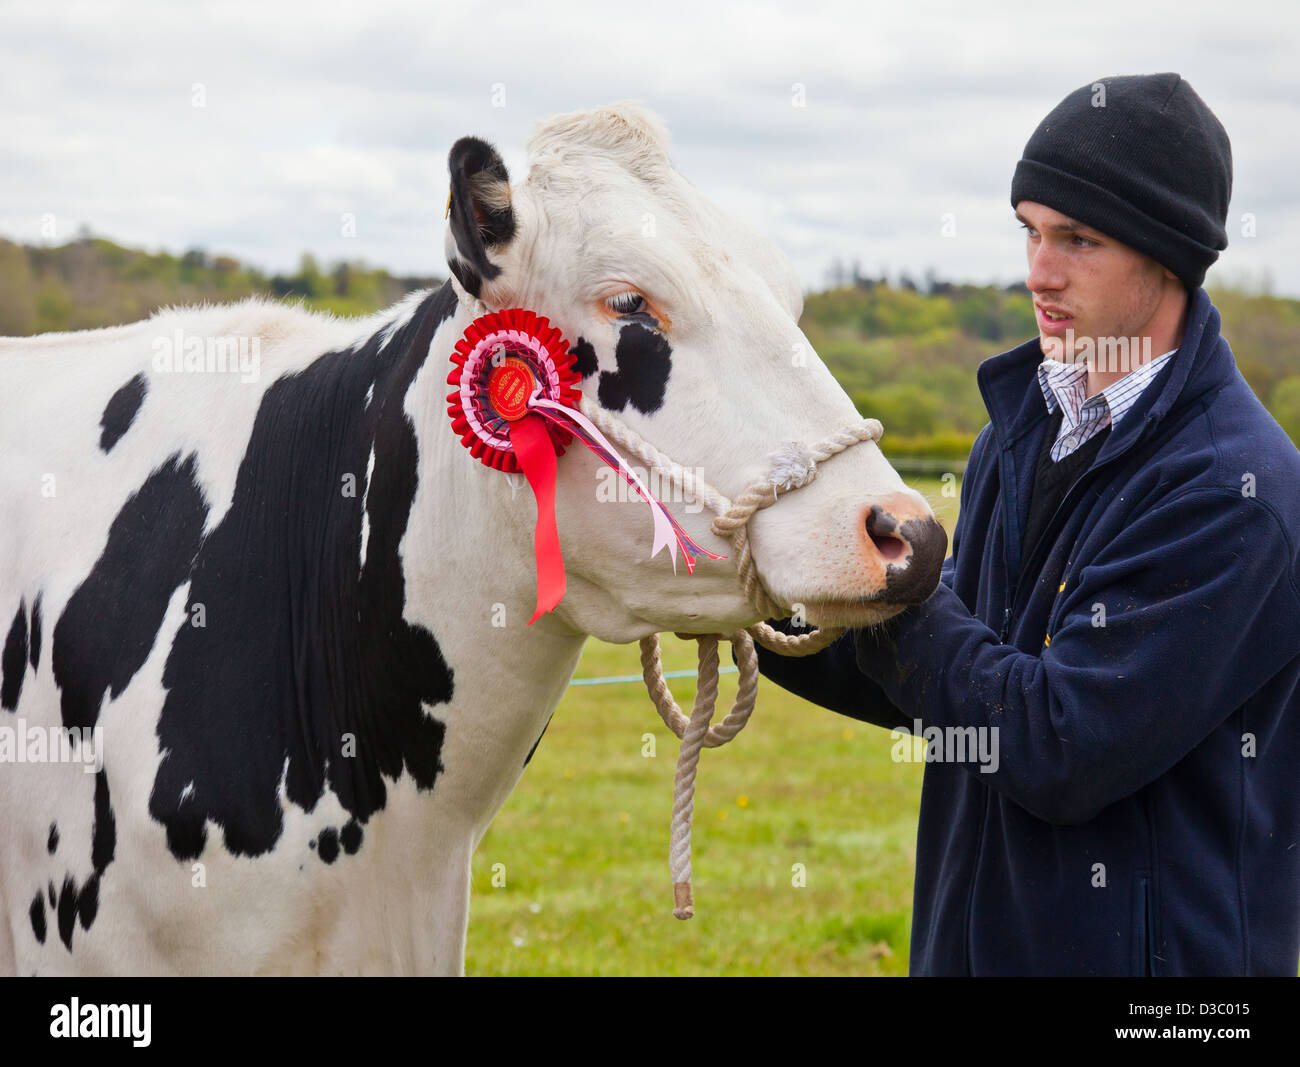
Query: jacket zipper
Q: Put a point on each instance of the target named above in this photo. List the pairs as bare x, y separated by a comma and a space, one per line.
1043, 539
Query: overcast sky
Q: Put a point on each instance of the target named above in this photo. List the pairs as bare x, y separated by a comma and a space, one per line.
315, 109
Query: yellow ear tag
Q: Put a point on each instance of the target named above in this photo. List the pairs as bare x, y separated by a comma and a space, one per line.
448, 211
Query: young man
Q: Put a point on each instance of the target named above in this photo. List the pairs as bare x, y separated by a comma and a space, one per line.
1116, 637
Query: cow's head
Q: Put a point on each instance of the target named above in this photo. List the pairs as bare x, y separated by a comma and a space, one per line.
685, 324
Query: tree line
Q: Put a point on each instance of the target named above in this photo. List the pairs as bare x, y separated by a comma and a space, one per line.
905, 353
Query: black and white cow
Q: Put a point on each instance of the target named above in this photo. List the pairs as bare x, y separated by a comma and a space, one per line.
266, 673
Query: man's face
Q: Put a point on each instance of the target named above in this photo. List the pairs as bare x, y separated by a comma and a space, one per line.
1101, 288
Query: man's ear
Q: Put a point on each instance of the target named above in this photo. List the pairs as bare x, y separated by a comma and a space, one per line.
479, 214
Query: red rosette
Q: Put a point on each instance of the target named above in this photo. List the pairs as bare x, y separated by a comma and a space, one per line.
497, 365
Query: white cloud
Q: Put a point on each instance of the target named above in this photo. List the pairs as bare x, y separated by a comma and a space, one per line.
314, 110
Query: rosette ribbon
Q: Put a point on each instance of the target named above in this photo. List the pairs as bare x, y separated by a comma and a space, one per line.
515, 406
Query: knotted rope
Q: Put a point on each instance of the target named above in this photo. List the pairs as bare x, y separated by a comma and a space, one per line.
790, 468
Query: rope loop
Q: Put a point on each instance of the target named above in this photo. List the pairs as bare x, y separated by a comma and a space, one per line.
790, 468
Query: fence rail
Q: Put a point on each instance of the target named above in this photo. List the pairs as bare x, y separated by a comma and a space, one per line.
917, 465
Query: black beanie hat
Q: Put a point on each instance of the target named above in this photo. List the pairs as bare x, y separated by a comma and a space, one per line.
1143, 160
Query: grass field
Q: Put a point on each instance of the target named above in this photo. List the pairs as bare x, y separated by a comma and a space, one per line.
804, 839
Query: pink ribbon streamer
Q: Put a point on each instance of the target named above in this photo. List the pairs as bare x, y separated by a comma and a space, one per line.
667, 531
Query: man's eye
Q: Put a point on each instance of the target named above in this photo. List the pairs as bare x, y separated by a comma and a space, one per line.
1028, 229
628, 303
1085, 242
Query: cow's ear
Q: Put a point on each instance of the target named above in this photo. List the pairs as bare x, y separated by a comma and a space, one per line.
479, 213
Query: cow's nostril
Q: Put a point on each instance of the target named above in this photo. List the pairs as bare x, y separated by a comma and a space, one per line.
881, 528
890, 548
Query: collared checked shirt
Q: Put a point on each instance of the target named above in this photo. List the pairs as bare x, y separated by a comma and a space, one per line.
1065, 385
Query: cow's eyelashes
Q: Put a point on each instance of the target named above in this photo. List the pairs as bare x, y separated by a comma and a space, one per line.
627, 303
629, 306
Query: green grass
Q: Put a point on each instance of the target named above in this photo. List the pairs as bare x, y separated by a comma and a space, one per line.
583, 840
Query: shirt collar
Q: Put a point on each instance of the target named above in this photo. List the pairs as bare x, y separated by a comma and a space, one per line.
1066, 383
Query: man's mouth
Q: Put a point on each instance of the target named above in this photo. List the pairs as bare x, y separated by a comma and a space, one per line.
1053, 319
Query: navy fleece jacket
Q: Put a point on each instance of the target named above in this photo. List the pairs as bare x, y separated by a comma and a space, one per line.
1142, 673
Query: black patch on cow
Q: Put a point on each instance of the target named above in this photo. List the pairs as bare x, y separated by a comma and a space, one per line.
472, 282
82, 903
111, 622
584, 360
109, 627
529, 758
306, 669
13, 661
88, 902
67, 911
475, 225
104, 838
121, 411
644, 362
37, 913
350, 837
329, 844
35, 650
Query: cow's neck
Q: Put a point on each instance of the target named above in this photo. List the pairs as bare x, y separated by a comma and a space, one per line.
365, 597
469, 574
471, 580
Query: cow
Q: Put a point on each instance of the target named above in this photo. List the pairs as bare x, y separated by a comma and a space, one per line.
267, 671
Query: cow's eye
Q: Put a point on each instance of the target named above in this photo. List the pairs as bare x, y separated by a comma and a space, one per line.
628, 303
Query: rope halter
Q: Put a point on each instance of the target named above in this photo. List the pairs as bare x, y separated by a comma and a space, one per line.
791, 467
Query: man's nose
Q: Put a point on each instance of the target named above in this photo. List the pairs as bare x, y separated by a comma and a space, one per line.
1045, 274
